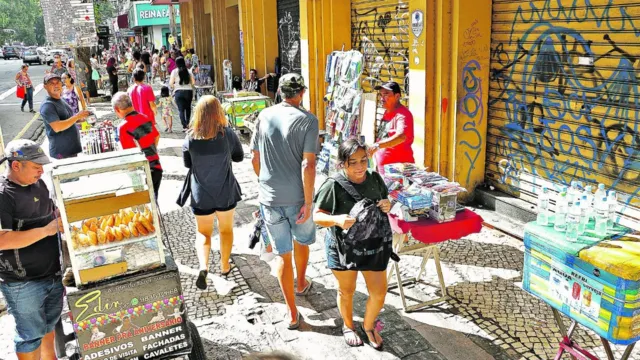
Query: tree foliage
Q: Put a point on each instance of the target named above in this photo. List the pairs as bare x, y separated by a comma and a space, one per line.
21, 21
104, 11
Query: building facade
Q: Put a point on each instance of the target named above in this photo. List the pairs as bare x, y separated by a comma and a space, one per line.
516, 95
69, 23
151, 23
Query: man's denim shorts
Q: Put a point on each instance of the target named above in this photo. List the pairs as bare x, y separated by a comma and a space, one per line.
280, 222
36, 306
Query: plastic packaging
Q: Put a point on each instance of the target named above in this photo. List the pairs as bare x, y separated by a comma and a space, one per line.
600, 193
543, 208
584, 215
602, 216
573, 222
588, 191
612, 208
574, 193
562, 208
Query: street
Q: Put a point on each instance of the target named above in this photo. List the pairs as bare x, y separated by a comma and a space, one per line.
12, 120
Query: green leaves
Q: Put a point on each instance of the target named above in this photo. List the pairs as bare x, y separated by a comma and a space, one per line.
21, 16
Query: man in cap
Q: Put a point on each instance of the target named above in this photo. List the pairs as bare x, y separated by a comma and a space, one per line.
284, 148
395, 134
59, 121
29, 250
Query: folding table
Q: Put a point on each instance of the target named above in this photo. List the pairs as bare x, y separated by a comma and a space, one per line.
421, 238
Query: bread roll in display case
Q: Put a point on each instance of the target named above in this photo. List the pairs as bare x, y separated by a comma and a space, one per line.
110, 218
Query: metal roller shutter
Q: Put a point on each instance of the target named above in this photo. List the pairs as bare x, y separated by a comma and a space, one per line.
564, 97
380, 31
289, 35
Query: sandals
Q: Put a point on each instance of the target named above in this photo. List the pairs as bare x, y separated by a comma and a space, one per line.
231, 267
351, 338
201, 282
306, 290
296, 324
372, 332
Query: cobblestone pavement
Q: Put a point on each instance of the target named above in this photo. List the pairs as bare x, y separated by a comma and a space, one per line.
487, 314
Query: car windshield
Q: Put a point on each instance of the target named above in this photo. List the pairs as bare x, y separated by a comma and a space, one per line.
8, 49
29, 52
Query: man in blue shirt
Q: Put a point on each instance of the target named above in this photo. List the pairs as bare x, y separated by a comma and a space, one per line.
59, 121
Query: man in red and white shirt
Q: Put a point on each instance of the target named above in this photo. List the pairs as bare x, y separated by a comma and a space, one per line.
137, 130
395, 133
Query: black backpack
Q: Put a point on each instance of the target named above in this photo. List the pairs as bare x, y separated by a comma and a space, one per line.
368, 244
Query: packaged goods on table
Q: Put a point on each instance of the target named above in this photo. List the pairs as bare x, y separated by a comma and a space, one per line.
110, 217
420, 193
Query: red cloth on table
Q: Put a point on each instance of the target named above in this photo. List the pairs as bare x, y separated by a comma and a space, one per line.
430, 231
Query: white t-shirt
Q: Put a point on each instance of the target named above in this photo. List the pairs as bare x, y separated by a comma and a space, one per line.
175, 80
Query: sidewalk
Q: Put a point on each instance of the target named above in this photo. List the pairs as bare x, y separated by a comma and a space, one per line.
487, 314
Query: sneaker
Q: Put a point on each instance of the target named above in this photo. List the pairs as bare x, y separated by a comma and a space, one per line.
32, 111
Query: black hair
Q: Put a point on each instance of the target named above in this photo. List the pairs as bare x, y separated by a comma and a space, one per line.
70, 77
93, 55
136, 55
140, 66
146, 58
254, 70
347, 149
139, 74
164, 92
183, 72
155, 51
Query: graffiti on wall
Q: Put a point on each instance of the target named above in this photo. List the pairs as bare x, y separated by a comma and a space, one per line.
381, 33
472, 106
564, 100
289, 37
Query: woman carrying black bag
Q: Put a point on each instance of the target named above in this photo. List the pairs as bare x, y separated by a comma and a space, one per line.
335, 201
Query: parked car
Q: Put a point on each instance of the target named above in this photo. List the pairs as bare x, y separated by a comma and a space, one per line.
10, 52
53, 52
31, 57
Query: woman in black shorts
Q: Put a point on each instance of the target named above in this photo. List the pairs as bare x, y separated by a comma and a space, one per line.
209, 148
333, 204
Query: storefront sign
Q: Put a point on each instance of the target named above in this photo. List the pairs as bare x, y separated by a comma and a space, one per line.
417, 22
103, 30
149, 15
140, 318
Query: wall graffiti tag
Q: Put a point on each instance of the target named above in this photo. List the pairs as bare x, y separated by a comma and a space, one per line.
381, 33
564, 95
289, 37
471, 105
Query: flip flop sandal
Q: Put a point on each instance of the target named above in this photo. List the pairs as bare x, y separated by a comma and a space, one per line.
231, 267
371, 343
296, 324
306, 290
201, 282
347, 332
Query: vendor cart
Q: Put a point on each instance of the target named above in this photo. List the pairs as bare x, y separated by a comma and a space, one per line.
593, 281
238, 108
127, 302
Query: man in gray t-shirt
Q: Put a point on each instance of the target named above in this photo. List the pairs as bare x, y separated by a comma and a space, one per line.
284, 148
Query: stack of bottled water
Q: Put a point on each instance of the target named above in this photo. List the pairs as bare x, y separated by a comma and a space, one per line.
576, 207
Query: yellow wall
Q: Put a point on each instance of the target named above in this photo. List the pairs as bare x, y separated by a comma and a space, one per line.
472, 82
324, 27
186, 24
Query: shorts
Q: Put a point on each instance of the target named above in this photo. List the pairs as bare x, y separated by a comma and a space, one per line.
84, 89
206, 212
280, 222
36, 306
331, 251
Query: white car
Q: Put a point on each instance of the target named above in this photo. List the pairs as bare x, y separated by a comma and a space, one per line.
32, 56
1, 53
54, 52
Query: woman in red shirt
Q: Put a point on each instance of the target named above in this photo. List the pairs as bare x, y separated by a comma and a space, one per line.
395, 133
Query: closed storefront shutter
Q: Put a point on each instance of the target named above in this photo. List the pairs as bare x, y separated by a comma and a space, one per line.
289, 35
564, 98
380, 31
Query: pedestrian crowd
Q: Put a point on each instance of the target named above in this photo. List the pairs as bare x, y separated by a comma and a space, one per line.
284, 147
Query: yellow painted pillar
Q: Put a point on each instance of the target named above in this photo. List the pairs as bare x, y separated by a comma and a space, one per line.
186, 24
472, 83
325, 26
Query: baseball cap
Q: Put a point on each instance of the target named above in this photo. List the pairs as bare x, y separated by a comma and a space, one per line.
50, 76
25, 150
292, 82
391, 86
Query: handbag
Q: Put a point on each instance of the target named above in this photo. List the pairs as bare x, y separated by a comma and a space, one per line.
20, 92
186, 190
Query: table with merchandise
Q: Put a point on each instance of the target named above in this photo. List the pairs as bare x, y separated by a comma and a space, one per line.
587, 268
424, 213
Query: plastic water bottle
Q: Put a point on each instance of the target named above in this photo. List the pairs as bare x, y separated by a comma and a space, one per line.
602, 216
612, 208
574, 193
573, 222
543, 208
600, 194
588, 192
584, 215
562, 208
